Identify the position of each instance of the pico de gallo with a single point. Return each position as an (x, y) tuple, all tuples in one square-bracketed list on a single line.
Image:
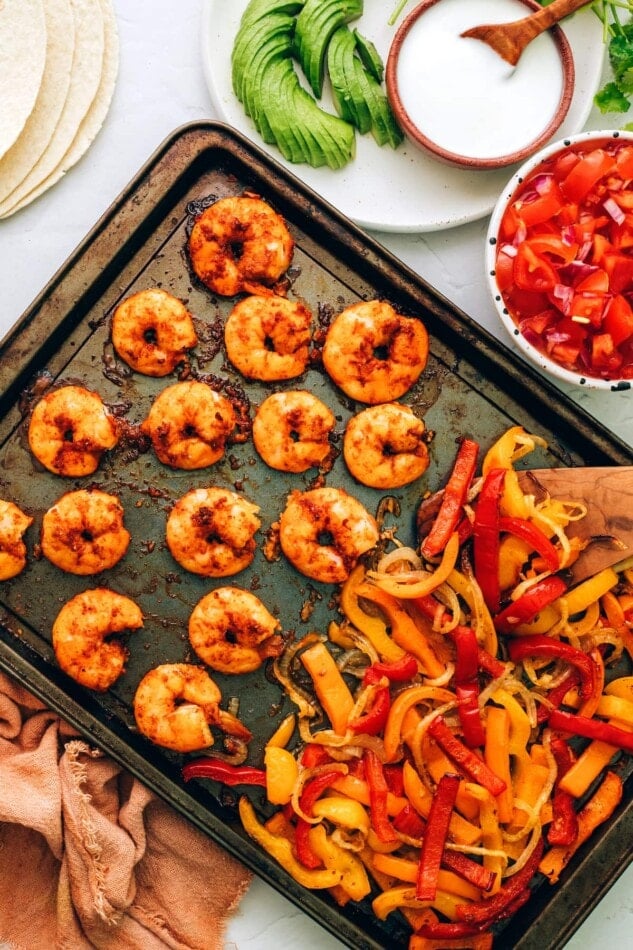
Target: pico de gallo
[(564, 258), (460, 723)]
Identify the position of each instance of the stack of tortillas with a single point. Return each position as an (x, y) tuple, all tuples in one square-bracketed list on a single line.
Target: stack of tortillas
[(58, 65)]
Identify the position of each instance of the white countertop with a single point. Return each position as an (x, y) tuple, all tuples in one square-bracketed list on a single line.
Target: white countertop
[(161, 87)]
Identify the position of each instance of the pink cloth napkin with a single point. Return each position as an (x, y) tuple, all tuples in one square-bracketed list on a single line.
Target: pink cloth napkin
[(89, 857)]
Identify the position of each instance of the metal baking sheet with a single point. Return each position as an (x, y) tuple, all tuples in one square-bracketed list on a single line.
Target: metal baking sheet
[(472, 386)]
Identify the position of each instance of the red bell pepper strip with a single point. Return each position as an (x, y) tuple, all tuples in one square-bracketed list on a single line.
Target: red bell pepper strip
[(467, 685), (466, 654), (314, 754), (469, 870), (490, 909), (373, 721), (474, 767), (398, 671), (563, 828), (305, 854), (441, 930), (394, 778), (532, 534), (453, 499), (528, 605), (311, 793), (408, 822), (557, 695), (490, 664), (540, 645), (486, 537), (435, 835), (591, 729), (220, 771), (378, 791), (469, 715)]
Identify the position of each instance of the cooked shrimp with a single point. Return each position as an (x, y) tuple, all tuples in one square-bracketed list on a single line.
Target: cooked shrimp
[(189, 424), (239, 244), (373, 353), (13, 524), (83, 532), (291, 431), (324, 531), (384, 446), (152, 331), (211, 532), (69, 431), (233, 632), (268, 338), (176, 703), (83, 636)]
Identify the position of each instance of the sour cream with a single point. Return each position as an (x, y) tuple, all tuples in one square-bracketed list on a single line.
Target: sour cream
[(462, 95)]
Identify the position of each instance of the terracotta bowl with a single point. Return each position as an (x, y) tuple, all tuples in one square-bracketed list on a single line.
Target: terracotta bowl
[(458, 100)]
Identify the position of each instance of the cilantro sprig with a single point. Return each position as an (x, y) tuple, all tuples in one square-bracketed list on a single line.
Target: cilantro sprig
[(617, 94)]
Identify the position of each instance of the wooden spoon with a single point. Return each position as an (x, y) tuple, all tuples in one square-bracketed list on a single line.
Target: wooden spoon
[(510, 39), (608, 495)]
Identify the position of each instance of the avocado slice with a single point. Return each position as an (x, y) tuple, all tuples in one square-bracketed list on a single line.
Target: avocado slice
[(349, 103), (315, 26), (369, 56)]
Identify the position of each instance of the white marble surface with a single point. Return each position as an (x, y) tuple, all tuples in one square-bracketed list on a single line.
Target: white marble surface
[(160, 87)]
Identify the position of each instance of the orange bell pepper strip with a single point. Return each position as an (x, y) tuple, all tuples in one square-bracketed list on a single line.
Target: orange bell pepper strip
[(403, 869), (358, 789), (460, 830), (474, 942), (374, 628), (598, 809), (329, 685), (491, 835), (401, 705), (497, 757)]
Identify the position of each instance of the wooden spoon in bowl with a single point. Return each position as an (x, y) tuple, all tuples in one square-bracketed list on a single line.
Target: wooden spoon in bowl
[(510, 39)]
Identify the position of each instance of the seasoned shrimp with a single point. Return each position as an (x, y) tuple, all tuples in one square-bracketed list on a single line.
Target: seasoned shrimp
[(83, 636), (83, 532), (291, 431), (268, 338), (69, 431), (384, 446), (324, 531), (211, 532), (13, 524), (373, 353), (176, 703), (152, 331), (233, 632), (189, 424), (239, 244)]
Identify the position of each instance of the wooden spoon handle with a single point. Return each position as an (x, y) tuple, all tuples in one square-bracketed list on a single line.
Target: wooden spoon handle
[(540, 21)]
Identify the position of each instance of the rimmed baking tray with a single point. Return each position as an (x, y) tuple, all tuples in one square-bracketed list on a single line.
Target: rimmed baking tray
[(472, 386)]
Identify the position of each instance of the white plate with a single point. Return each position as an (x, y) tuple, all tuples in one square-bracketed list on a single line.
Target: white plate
[(402, 190)]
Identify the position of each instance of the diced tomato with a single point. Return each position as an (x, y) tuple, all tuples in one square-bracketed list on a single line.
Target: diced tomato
[(553, 244), (588, 308), (624, 162), (618, 319), (532, 271), (603, 353), (540, 205), (619, 268), (595, 283), (504, 271), (586, 173), (564, 164)]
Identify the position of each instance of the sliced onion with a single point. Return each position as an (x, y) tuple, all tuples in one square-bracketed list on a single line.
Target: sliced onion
[(305, 775), (614, 210), (404, 555)]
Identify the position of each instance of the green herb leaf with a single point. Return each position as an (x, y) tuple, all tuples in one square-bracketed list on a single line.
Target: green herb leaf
[(611, 99)]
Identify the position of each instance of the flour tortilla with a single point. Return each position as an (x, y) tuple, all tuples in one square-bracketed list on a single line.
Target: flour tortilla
[(22, 60), (87, 65), (41, 123)]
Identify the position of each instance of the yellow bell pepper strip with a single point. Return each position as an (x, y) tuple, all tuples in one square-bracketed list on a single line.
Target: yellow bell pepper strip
[(471, 942), (378, 792), (435, 836), (595, 587), (598, 809), (466, 760), (280, 849), (563, 829), (343, 812), (332, 690), (353, 877), (460, 830), (403, 869), (521, 648), (283, 733), (497, 757), (401, 705), (356, 788), (534, 537), (407, 588), (463, 587), (486, 537), (310, 794), (495, 861), (534, 600), (453, 499), (615, 609), (374, 628), (282, 771)]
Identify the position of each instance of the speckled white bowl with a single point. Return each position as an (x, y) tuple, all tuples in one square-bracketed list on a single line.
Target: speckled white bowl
[(534, 355)]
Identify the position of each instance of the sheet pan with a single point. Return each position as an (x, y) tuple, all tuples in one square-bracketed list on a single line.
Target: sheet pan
[(473, 386)]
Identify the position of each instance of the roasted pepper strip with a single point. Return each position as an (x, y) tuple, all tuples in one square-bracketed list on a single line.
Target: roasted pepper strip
[(453, 499), (474, 767), (467, 685), (399, 708), (398, 671), (374, 628), (490, 909), (529, 604), (220, 771), (591, 729), (373, 721), (486, 537), (536, 539), (378, 792), (537, 645), (435, 836), (563, 828), (497, 757), (281, 850), (329, 685), (353, 877)]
